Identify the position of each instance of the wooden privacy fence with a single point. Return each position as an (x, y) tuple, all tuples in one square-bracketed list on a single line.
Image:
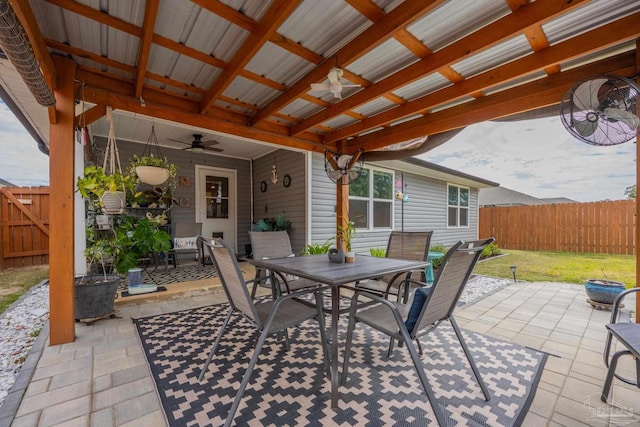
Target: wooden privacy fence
[(24, 226), (598, 227)]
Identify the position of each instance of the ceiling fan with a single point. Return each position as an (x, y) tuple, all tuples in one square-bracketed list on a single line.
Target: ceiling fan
[(334, 85), (198, 145)]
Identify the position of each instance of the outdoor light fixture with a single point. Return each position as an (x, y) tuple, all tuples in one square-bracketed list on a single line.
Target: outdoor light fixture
[(513, 270)]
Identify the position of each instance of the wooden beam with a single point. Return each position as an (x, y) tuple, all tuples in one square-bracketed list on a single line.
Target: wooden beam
[(71, 50), (369, 39), (488, 36), (227, 12), (91, 115), (99, 16), (609, 35), (548, 91), (61, 219), (267, 132), (25, 15), (149, 22), (277, 13), (637, 225)]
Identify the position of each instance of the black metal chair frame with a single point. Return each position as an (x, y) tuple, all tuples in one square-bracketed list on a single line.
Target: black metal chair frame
[(627, 334)]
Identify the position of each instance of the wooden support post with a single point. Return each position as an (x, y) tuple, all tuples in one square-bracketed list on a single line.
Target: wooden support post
[(61, 183), (637, 226), (342, 207)]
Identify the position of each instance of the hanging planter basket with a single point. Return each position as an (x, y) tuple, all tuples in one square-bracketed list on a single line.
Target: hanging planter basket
[(113, 202), (152, 175)]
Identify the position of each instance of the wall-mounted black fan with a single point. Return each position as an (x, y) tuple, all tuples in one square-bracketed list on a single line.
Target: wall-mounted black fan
[(602, 110), (197, 145), (338, 165)]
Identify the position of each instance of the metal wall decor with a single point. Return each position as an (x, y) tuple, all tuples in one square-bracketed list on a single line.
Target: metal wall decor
[(286, 180)]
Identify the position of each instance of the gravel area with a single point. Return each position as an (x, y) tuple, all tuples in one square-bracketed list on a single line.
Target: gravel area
[(21, 323), (19, 328)]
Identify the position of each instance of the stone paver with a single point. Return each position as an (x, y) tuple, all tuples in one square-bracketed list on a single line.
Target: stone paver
[(102, 378)]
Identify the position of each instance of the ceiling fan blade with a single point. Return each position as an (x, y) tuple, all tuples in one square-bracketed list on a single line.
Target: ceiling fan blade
[(177, 140), (209, 143), (585, 96), (624, 116), (319, 86), (585, 128), (351, 85), (214, 149)]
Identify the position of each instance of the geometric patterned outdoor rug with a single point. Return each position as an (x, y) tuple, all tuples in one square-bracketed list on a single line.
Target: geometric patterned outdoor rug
[(289, 388), (182, 273)]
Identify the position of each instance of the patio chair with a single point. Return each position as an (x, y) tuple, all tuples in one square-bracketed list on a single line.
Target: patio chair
[(628, 335), (185, 236), (268, 317), (429, 307), (410, 245), (274, 244)]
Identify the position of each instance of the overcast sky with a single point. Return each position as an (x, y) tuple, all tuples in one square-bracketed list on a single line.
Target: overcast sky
[(541, 159), (21, 162), (535, 157)]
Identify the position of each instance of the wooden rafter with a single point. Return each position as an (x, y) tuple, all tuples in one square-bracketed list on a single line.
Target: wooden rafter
[(150, 13), (606, 36), (484, 38), (91, 115), (398, 18), (548, 91), (277, 13)]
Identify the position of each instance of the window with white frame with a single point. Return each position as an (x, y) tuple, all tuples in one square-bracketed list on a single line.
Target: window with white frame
[(457, 206), (371, 199)]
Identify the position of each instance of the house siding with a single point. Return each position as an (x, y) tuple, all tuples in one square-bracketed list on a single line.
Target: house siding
[(279, 199), (426, 210), (186, 162)]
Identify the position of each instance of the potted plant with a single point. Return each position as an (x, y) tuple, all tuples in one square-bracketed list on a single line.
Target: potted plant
[(153, 170), (105, 192), (281, 223), (346, 234)]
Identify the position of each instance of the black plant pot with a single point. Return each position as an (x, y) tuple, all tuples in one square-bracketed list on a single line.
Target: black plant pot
[(94, 296)]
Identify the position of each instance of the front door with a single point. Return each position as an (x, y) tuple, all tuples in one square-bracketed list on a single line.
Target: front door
[(216, 203)]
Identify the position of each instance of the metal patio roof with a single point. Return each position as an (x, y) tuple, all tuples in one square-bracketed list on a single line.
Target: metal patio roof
[(242, 69)]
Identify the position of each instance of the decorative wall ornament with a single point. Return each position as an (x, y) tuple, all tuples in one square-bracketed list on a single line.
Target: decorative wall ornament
[(274, 174), (185, 181)]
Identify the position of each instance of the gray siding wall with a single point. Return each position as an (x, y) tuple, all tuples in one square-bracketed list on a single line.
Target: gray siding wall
[(279, 199), (186, 162), (425, 210)]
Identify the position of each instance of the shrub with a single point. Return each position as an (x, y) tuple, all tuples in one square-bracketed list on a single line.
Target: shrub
[(317, 248), (437, 247), (378, 252), (491, 250)]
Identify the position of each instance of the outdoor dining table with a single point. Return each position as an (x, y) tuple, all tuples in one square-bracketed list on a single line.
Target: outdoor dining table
[(319, 269)]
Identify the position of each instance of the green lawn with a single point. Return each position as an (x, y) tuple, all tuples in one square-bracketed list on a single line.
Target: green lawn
[(560, 267), (16, 281)]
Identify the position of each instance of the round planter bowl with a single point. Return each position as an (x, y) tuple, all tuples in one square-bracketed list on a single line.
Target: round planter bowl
[(113, 202), (603, 291), (152, 175)]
